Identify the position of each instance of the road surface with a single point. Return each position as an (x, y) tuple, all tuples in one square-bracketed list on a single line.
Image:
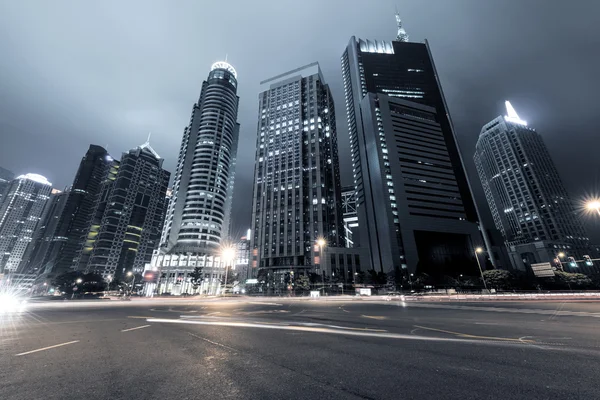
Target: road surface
[(249, 348)]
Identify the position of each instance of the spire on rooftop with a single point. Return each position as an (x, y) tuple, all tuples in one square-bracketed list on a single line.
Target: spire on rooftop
[(402, 35)]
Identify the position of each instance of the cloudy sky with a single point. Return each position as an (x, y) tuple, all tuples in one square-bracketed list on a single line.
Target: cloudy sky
[(109, 72)]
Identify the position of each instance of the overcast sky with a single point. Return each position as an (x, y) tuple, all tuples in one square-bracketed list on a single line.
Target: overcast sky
[(108, 72)]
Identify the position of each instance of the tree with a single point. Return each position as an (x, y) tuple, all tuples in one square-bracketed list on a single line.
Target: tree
[(66, 282), (196, 277), (572, 280), (498, 278), (93, 282), (302, 282)]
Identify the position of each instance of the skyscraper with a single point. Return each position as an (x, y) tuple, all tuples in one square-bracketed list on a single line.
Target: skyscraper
[(415, 207), (128, 216), (297, 181), (5, 177), (198, 217), (20, 213), (528, 201), (69, 217)]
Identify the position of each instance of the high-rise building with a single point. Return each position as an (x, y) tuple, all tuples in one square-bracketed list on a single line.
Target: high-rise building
[(20, 213), (198, 217), (5, 177), (415, 207), (128, 216), (69, 216), (297, 180), (529, 203)]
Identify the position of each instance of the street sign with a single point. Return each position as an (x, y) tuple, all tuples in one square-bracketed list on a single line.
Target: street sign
[(542, 270)]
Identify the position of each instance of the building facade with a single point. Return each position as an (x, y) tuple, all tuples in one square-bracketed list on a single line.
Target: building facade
[(128, 216), (296, 179), (20, 213), (5, 177), (198, 218), (529, 203), (69, 217), (415, 208)]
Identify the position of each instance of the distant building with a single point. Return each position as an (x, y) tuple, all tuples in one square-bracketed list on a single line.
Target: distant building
[(297, 181), (129, 215), (242, 256), (415, 208), (69, 216), (198, 217), (5, 177), (20, 213), (527, 199)]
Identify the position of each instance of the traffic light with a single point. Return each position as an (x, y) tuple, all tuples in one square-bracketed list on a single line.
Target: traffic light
[(588, 261), (572, 262)]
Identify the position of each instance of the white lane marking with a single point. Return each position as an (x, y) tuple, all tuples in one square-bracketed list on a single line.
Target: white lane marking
[(212, 313), (47, 348), (133, 329), (264, 303), (215, 343)]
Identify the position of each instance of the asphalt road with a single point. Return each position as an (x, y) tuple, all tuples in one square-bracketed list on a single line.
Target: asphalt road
[(290, 349)]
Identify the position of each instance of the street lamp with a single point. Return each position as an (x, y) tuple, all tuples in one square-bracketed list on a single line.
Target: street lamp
[(79, 280), (228, 255), (321, 243), (477, 251), (593, 205), (561, 255), (129, 273)]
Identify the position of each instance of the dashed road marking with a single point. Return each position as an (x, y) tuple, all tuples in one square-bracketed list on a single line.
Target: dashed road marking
[(137, 327), (47, 348)]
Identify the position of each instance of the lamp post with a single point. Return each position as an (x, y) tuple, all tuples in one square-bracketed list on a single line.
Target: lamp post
[(477, 251), (129, 273), (321, 243)]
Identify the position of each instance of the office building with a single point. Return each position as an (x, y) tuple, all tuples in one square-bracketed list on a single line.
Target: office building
[(198, 217), (69, 217), (528, 201), (297, 182), (5, 177), (415, 208), (128, 216), (20, 213)]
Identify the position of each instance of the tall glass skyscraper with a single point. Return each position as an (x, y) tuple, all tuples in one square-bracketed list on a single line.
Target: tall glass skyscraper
[(20, 213), (415, 207), (297, 181), (527, 199), (198, 217)]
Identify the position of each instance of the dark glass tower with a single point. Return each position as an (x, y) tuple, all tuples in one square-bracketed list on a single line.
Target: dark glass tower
[(297, 182), (69, 216), (415, 207), (129, 215)]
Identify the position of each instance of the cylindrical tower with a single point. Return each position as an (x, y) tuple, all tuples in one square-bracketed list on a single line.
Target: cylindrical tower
[(197, 219)]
